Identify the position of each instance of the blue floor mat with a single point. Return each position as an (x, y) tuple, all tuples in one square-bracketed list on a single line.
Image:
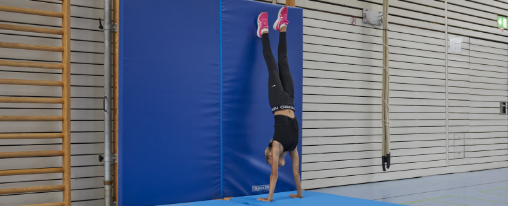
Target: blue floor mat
[(283, 199), (207, 203)]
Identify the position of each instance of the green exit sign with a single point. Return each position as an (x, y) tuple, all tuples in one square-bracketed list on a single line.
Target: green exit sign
[(502, 22)]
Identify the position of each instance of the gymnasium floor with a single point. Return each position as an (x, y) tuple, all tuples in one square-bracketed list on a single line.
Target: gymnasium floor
[(482, 188)]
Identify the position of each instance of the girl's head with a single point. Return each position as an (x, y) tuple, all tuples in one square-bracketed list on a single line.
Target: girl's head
[(268, 153), (268, 156)]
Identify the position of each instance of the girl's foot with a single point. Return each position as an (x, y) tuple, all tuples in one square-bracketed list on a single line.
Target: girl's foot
[(282, 19), (262, 24)]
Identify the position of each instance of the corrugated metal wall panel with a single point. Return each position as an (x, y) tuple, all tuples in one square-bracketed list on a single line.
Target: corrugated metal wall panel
[(342, 90)]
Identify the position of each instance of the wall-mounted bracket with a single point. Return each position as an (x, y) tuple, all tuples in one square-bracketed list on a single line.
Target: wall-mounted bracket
[(113, 158), (113, 26), (374, 18)]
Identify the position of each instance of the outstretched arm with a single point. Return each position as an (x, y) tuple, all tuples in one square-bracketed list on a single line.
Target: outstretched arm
[(275, 168), (296, 173)]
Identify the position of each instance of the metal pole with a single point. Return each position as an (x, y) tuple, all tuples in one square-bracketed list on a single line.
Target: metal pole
[(446, 80), (107, 103), (274, 1), (386, 156)]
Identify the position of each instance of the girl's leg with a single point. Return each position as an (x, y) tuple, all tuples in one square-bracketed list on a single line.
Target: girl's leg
[(285, 74), (275, 89)]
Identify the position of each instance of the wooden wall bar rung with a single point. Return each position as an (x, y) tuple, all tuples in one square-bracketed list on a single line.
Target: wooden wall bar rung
[(31, 136), (48, 153), (48, 204), (31, 11), (31, 29), (31, 189), (31, 47), (31, 118), (30, 171), (31, 100), (31, 64), (31, 82)]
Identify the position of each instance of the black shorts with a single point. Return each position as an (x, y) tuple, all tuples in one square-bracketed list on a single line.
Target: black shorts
[(287, 132)]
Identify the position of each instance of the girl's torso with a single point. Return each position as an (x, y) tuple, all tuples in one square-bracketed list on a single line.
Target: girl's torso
[(285, 112), (286, 131)]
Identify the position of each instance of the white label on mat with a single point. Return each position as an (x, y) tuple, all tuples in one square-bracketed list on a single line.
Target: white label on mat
[(260, 188)]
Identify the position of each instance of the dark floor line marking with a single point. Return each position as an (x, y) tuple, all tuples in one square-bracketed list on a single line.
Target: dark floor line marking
[(440, 190)]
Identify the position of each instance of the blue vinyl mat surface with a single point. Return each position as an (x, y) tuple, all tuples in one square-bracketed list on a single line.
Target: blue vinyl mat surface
[(283, 199), (203, 88)]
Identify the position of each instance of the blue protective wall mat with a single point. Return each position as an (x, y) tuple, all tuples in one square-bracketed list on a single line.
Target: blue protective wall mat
[(169, 101), (283, 199), (193, 109), (248, 121)]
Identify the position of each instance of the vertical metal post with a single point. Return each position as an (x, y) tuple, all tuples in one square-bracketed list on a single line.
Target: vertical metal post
[(446, 81), (107, 103), (386, 91)]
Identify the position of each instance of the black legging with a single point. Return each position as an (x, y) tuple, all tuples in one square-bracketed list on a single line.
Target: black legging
[(280, 82)]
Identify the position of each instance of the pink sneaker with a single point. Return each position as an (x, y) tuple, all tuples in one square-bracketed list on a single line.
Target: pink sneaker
[(282, 19), (262, 23)]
